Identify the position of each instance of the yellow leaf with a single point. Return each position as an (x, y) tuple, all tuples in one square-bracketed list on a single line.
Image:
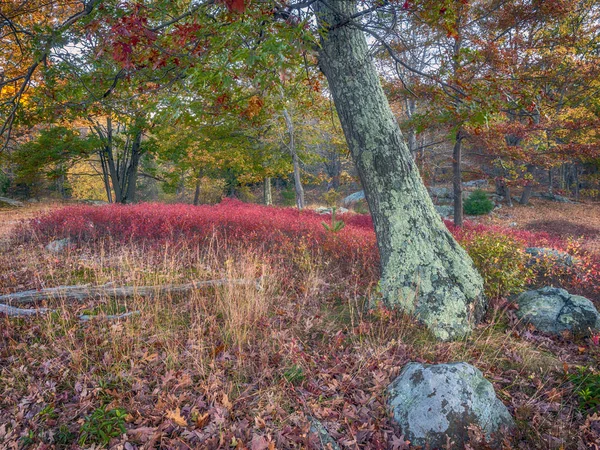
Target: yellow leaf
[(226, 403), (176, 417)]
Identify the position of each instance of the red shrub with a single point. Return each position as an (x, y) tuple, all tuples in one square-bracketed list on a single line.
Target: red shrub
[(284, 232)]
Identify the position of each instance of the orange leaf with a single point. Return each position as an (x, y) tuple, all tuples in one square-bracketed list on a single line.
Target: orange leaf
[(176, 417), (202, 420)]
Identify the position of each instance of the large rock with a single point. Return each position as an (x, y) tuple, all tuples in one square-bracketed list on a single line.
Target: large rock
[(541, 253), (477, 184), (354, 198), (431, 403), (439, 193), (445, 210), (553, 310)]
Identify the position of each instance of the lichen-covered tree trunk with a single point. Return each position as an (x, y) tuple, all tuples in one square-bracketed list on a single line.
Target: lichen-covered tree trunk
[(424, 270)]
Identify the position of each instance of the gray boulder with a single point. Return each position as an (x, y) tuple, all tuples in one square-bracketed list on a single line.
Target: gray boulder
[(354, 198), (552, 197), (431, 403), (445, 210), (438, 193), (323, 210), (476, 184), (540, 253), (553, 310), (59, 245)]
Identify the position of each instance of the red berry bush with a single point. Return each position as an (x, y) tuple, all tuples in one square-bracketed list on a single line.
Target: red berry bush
[(292, 236)]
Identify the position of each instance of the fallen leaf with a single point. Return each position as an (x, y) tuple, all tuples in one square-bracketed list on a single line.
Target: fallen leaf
[(226, 403), (176, 417), (202, 420)]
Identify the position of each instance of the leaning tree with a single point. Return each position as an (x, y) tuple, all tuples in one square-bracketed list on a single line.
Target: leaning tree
[(424, 270)]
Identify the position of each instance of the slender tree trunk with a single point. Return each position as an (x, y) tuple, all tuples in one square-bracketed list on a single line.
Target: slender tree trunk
[(132, 168), (576, 179), (112, 167), (197, 191), (295, 161), (424, 270), (267, 193), (105, 175), (457, 179), (526, 195), (550, 180)]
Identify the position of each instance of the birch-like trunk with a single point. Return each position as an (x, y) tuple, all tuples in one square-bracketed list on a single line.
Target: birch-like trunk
[(267, 192), (424, 270), (457, 179)]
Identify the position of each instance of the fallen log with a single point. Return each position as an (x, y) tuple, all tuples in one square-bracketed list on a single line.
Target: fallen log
[(11, 311), (85, 292), (11, 202), (18, 312), (88, 317)]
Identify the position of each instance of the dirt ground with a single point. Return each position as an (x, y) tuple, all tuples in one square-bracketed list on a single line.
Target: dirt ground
[(576, 220)]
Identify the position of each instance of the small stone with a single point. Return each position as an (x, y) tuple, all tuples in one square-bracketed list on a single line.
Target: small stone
[(476, 184), (59, 245), (432, 403), (325, 439), (553, 310)]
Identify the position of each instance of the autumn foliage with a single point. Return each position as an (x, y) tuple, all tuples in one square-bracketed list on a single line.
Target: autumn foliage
[(293, 239)]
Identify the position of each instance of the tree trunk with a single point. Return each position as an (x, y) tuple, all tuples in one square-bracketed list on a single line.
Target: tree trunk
[(267, 193), (457, 179), (526, 195), (576, 179), (197, 191), (112, 167), (295, 161), (424, 270), (132, 169)]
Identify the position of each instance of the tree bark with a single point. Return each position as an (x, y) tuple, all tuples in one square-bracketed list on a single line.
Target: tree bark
[(424, 270), (295, 161), (267, 193), (457, 179), (132, 168), (526, 195), (197, 192)]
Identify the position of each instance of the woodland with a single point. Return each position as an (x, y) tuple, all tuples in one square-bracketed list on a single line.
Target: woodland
[(299, 224)]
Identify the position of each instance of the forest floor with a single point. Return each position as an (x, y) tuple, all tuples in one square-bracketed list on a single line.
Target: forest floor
[(240, 367), (576, 220)]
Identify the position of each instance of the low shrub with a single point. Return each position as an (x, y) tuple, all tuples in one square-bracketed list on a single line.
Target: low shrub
[(501, 261), (478, 203), (295, 238), (278, 233), (103, 425), (587, 388)]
